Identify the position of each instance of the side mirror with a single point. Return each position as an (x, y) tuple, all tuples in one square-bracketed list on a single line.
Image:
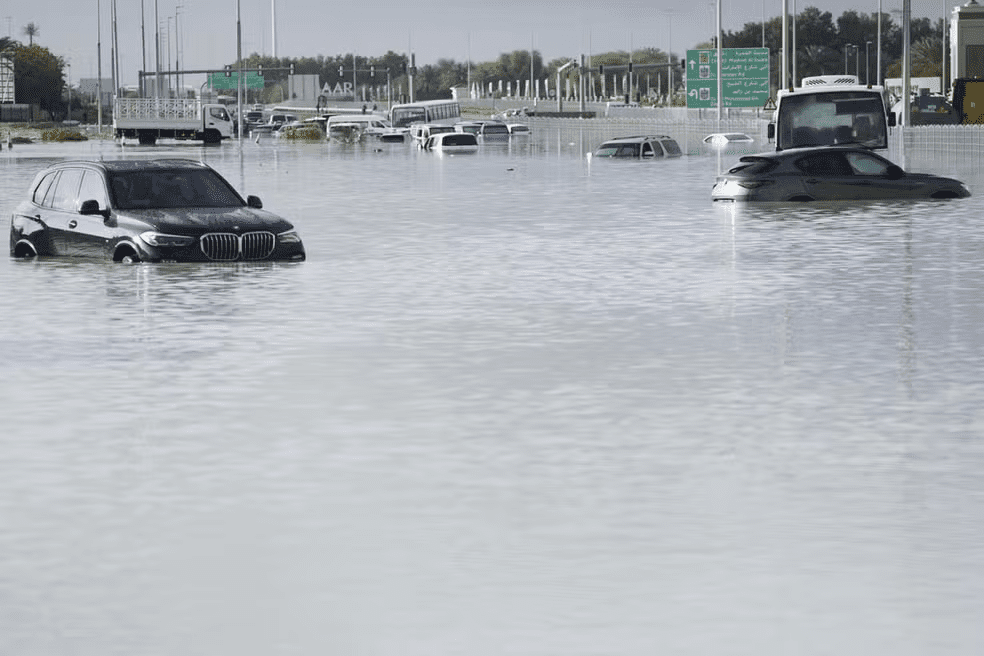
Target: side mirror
[(254, 202), (891, 119), (894, 172), (771, 131), (91, 207)]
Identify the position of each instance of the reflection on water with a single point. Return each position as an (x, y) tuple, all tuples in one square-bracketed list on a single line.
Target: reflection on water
[(517, 402)]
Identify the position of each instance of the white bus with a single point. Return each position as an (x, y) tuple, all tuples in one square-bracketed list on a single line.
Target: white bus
[(831, 109), (427, 111)]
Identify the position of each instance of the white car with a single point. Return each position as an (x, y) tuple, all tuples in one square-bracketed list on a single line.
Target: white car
[(452, 142), (727, 138)]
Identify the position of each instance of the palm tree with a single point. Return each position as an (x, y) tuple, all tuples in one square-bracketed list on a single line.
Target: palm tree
[(32, 29), (926, 58)]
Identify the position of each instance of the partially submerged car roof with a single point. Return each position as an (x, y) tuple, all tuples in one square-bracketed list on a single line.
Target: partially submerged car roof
[(639, 137), (121, 165)]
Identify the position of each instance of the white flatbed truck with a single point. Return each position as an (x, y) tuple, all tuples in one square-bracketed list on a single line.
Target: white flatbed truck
[(150, 119)]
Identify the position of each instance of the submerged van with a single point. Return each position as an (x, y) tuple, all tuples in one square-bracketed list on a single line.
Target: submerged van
[(350, 127)]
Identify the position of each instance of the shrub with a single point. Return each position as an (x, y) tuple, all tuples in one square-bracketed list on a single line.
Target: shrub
[(302, 133), (61, 134)]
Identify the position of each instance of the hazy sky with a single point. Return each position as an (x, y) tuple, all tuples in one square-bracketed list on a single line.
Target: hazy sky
[(479, 30)]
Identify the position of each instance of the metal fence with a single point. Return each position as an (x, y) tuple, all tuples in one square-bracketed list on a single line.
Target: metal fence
[(943, 147), (689, 132), (926, 147), (19, 113)]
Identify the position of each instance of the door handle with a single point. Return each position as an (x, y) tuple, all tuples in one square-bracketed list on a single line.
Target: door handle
[(72, 223)]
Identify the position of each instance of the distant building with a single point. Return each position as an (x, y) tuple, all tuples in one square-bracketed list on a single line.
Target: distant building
[(967, 37), (303, 90), (6, 79), (89, 88)]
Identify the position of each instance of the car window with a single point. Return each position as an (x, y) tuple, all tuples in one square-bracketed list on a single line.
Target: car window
[(175, 188), (93, 189), (864, 164), (826, 163), (671, 147), (43, 188), (67, 190), (49, 196)]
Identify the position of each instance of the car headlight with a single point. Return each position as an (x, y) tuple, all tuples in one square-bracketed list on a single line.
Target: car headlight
[(160, 240), (754, 184), (289, 237)]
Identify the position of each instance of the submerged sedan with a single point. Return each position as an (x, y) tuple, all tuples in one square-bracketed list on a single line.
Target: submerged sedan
[(146, 211), (828, 173)]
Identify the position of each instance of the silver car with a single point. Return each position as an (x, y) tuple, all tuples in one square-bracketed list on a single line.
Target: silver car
[(828, 173)]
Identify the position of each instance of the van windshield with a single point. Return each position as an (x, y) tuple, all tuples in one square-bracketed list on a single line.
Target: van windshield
[(825, 119)]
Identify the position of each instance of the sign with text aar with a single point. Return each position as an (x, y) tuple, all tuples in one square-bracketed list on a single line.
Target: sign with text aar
[(744, 77)]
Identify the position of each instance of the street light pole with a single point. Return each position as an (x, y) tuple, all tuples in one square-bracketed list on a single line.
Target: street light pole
[(867, 63), (157, 52), (878, 69), (239, 75), (99, 74), (857, 62)]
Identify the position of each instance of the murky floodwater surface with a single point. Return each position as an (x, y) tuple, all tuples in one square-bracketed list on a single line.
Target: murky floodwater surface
[(513, 403)]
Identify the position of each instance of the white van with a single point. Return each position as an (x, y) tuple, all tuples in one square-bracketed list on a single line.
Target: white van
[(344, 125)]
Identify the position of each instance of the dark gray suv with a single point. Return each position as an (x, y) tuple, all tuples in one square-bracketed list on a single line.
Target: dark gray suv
[(146, 211)]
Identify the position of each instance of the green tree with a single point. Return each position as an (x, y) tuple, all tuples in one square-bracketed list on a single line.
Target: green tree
[(926, 59), (38, 77)]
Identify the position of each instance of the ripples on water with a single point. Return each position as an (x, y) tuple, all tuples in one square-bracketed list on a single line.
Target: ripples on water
[(514, 403)]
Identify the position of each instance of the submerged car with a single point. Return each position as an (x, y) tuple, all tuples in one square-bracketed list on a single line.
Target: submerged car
[(146, 211), (655, 146), (452, 142), (727, 138), (828, 173)]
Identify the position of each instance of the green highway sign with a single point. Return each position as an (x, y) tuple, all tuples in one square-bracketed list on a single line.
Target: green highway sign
[(251, 80), (744, 77)]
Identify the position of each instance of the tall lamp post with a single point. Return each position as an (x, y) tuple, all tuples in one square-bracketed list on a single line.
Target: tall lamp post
[(69, 67), (867, 62), (857, 62), (99, 74)]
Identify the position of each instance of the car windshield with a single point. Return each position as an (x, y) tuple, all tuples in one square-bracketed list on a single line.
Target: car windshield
[(618, 150), (753, 165), (133, 190)]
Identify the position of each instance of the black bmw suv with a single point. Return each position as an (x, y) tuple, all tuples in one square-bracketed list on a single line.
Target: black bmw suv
[(146, 211)]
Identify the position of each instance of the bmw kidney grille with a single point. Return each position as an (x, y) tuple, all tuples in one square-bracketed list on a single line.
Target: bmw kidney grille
[(228, 247)]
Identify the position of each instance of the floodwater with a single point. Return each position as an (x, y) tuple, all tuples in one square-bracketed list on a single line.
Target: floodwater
[(514, 403)]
